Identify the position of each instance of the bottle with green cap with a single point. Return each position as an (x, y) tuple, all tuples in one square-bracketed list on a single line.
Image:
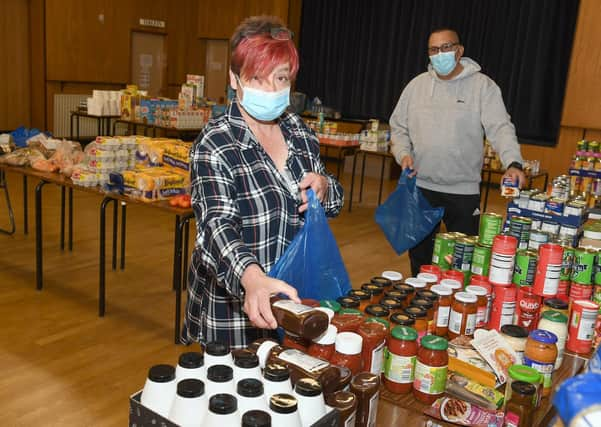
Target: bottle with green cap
[(332, 305), (526, 374), (431, 369), (352, 311), (399, 360), (556, 322)]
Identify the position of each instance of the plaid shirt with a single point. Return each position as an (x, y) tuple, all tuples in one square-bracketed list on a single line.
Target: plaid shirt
[(246, 213)]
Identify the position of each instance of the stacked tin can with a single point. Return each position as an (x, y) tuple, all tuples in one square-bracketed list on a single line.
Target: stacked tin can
[(585, 173)]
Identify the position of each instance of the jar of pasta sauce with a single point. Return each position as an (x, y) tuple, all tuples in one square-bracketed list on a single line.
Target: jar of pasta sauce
[(374, 340), (462, 320), (481, 304), (440, 324), (431, 369), (540, 354), (399, 362)]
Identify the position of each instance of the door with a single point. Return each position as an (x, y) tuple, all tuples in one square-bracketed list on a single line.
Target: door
[(149, 62)]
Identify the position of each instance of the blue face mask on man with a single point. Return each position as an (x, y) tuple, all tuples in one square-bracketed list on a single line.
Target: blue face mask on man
[(264, 105), (443, 62)]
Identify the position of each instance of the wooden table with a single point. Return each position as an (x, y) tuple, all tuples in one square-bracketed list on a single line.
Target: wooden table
[(363, 153), (343, 150), (181, 232), (104, 123), (406, 411), (132, 128)]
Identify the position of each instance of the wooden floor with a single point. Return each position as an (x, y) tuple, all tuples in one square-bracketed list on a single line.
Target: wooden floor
[(62, 364)]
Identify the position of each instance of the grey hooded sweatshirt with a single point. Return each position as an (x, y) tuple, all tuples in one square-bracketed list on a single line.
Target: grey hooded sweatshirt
[(442, 124)]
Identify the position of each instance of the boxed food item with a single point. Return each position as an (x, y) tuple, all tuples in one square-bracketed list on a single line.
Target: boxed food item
[(465, 360)]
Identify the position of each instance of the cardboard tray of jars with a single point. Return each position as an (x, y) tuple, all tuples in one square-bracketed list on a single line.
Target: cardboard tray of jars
[(141, 416)]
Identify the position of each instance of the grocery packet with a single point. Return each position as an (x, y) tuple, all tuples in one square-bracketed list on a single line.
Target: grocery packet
[(463, 413)]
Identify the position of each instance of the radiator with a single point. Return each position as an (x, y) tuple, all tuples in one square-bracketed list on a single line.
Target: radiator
[(63, 105)]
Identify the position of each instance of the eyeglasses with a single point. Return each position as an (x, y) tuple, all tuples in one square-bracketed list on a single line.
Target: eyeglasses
[(447, 47), (281, 33)]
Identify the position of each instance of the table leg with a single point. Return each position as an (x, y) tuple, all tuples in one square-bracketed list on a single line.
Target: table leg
[(38, 236), (381, 180), (185, 255), (70, 219), (25, 201), (181, 228), (115, 227), (62, 233), (546, 181), (350, 202), (102, 257), (177, 254), (123, 216), (114, 127), (77, 127), (362, 178), (71, 126), (99, 120), (11, 215)]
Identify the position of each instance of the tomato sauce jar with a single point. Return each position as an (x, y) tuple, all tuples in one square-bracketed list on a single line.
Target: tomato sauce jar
[(462, 320), (400, 358), (431, 369)]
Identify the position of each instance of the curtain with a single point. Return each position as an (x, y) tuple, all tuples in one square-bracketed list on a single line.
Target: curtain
[(357, 55)]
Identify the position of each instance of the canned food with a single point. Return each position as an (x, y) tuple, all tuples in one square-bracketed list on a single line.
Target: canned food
[(491, 224), (550, 227), (481, 260), (582, 267), (444, 246), (566, 263), (537, 238), (593, 146), (597, 269), (554, 206), (586, 184), (581, 326), (536, 224), (568, 231), (527, 308), (509, 187), (463, 253), (503, 306), (537, 202), (525, 267), (502, 259), (582, 145), (578, 291), (519, 227), (563, 290), (546, 279)]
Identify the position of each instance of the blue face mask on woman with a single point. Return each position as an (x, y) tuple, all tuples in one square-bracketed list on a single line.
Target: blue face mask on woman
[(264, 105), (443, 62)]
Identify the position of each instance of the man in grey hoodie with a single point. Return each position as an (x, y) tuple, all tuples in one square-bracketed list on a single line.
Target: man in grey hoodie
[(438, 128)]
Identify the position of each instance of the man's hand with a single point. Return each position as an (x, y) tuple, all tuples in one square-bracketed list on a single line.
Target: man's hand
[(259, 288), (407, 163), (318, 183), (516, 175)]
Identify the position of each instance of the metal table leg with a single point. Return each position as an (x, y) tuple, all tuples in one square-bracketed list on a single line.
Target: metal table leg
[(381, 180), (177, 253), (123, 216), (11, 215), (102, 256), (350, 202), (25, 201), (185, 255), (62, 233), (115, 226), (181, 225), (70, 219), (38, 236), (362, 178)]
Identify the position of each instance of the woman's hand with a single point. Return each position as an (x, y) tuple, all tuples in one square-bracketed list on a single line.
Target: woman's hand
[(319, 185), (259, 288)]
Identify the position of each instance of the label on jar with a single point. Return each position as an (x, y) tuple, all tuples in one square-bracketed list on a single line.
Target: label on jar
[(455, 321), (470, 324), (430, 379), (350, 421), (373, 410), (545, 369), (304, 361), (399, 369), (442, 319), (481, 316), (377, 357), (292, 307)]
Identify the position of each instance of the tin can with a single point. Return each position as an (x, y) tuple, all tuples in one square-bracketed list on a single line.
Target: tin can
[(525, 268), (597, 269), (551, 227), (554, 206), (503, 306), (481, 260), (527, 308), (596, 297), (582, 267), (546, 279), (586, 183), (536, 224), (453, 274), (502, 259), (432, 269), (444, 246), (463, 253), (491, 224), (574, 208), (578, 291), (593, 146), (537, 238), (566, 263), (563, 290), (582, 145), (509, 187), (519, 227), (581, 326), (537, 202)]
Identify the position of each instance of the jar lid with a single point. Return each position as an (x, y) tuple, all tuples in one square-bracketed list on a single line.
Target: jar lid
[(451, 283), (476, 290), (276, 372), (428, 277), (256, 418), (555, 316), (523, 387), (343, 400), (365, 381), (307, 387), (466, 297), (416, 312), (372, 289), (441, 290), (328, 337), (392, 275), (421, 302), (380, 320), (247, 361), (327, 311), (249, 387), (349, 343), (191, 388), (348, 302), (362, 295), (332, 305), (396, 294), (543, 336), (417, 283), (191, 360), (433, 342), (427, 294), (556, 303), (390, 303), (404, 287), (223, 404), (404, 333), (382, 281), (377, 310), (161, 373), (220, 373), (215, 348), (402, 319), (524, 373), (514, 331), (350, 311), (283, 403)]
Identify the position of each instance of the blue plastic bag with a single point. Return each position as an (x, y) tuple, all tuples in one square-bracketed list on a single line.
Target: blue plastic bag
[(406, 217), (577, 398), (312, 262)]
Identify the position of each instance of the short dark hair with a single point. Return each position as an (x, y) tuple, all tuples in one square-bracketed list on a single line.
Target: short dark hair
[(254, 25), (441, 29)]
